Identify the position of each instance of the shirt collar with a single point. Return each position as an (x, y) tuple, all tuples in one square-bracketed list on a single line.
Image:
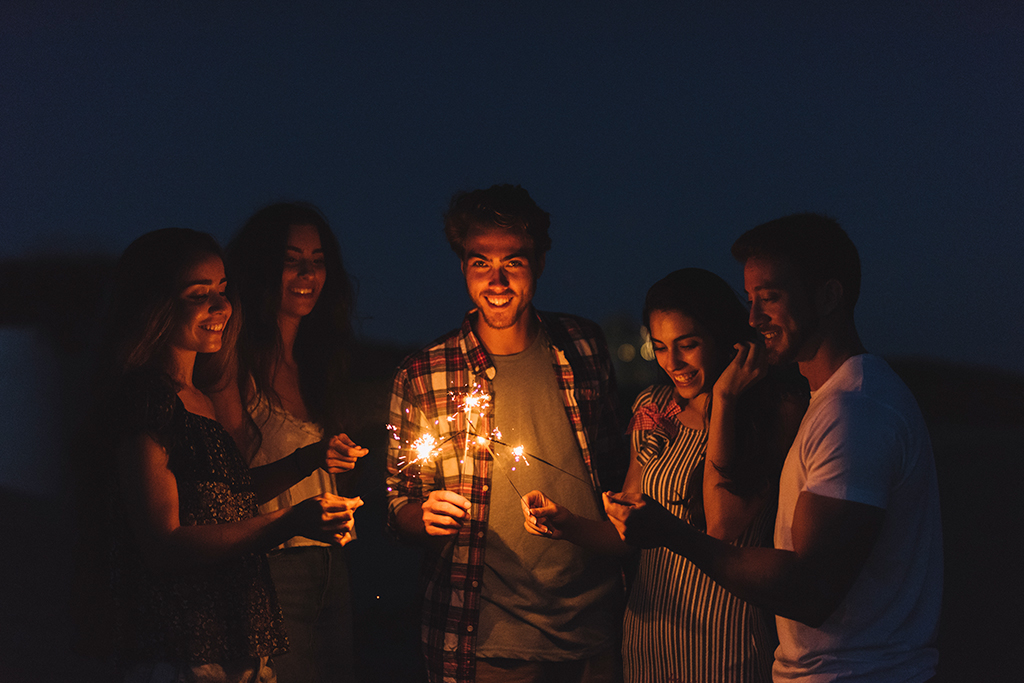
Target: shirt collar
[(477, 356)]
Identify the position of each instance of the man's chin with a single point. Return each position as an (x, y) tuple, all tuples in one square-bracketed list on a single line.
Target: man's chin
[(503, 319), (502, 322), (781, 355)]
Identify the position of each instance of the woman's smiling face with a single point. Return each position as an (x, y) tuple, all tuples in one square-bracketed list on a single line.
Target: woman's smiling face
[(685, 351), (304, 272), (203, 307)]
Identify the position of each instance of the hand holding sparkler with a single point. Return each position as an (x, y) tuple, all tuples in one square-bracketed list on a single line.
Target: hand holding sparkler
[(342, 454), (326, 518), (444, 512), (336, 455), (545, 517), (640, 520)]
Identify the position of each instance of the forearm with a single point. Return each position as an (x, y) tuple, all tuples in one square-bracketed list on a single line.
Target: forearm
[(273, 479), (776, 580), (599, 536), (409, 522), (412, 528), (185, 547), (728, 515)]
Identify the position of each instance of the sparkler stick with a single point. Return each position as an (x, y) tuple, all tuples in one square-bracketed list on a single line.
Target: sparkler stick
[(427, 447), (500, 466), (474, 401), (519, 453)]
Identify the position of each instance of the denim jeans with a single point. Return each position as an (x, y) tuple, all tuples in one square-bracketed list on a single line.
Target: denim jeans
[(254, 670), (313, 589)]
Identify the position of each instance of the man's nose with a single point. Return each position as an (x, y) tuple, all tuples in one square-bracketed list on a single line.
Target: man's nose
[(499, 277), (756, 314)]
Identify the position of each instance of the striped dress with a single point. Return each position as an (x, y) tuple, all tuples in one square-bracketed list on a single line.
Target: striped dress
[(680, 626)]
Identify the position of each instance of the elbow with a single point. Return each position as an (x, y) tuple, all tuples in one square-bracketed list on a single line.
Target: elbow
[(811, 606), (160, 562), (727, 526), (166, 555), (813, 615), (724, 531)]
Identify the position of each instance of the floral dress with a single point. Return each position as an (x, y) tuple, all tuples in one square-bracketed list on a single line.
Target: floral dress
[(214, 613)]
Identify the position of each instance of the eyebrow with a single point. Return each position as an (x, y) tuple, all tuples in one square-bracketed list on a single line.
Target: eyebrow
[(296, 249), (766, 285), (771, 284), (208, 283), (521, 254), (675, 339)]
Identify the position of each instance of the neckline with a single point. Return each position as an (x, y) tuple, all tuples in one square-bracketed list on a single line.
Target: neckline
[(197, 415)]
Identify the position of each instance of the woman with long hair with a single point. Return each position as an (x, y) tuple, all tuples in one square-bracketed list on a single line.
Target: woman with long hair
[(288, 391), (192, 593), (709, 446)]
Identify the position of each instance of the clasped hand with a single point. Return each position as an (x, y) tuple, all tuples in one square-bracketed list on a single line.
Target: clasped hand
[(327, 518), (640, 520)]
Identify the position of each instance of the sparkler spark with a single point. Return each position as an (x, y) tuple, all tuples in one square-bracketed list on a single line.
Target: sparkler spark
[(473, 405), (425, 447)]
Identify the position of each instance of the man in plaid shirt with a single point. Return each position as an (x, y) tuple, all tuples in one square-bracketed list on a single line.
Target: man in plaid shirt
[(501, 604)]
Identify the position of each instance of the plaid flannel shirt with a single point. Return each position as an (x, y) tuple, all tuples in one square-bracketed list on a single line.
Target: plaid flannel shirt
[(427, 398)]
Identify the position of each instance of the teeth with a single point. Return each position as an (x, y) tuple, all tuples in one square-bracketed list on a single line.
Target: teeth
[(302, 292), (214, 328), (498, 301)]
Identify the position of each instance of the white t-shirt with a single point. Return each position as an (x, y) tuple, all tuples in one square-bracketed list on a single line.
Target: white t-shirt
[(863, 439)]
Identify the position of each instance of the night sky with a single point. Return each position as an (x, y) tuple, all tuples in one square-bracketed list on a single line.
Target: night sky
[(653, 133)]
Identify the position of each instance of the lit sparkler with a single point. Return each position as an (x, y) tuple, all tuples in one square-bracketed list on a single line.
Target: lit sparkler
[(428, 448)]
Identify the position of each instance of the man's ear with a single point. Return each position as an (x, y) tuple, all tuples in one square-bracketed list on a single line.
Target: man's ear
[(829, 297)]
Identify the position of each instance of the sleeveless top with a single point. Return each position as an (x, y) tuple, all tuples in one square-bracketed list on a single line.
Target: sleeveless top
[(281, 434), (680, 626), (212, 613)]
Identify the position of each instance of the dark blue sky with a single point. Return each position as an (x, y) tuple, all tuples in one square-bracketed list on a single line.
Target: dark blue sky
[(654, 134)]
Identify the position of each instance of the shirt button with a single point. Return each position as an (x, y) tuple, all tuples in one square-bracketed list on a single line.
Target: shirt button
[(476, 584), (479, 534), (485, 487), (469, 629)]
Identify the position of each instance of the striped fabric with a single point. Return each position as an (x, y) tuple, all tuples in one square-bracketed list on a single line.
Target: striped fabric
[(680, 626)]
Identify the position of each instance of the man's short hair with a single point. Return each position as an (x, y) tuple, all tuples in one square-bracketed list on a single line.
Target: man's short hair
[(815, 245), (508, 207)]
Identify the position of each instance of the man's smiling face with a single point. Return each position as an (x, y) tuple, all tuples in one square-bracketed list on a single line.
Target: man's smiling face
[(501, 276), (780, 309)]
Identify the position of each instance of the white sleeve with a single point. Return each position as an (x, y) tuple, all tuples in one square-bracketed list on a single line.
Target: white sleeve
[(854, 451)]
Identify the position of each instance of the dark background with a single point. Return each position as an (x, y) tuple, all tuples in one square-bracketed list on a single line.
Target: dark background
[(654, 134)]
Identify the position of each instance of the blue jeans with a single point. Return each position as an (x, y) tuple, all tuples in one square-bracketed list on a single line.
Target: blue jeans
[(313, 589), (250, 670)]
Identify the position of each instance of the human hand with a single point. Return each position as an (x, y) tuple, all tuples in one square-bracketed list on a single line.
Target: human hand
[(342, 454), (327, 518), (444, 512), (748, 366), (545, 517), (640, 520)]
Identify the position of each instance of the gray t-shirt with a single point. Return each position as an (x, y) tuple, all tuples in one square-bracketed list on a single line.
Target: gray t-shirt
[(541, 599)]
